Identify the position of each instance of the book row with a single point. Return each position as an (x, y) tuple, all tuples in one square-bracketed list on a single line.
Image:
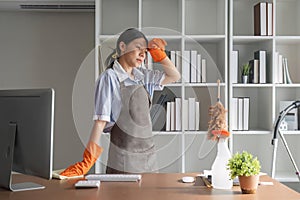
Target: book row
[(263, 19), (190, 63), (257, 67), (281, 69), (191, 114), (240, 113)]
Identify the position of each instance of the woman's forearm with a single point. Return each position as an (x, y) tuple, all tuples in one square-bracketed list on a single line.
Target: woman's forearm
[(171, 73), (97, 130)]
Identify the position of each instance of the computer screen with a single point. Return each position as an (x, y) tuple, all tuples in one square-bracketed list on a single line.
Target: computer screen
[(26, 132)]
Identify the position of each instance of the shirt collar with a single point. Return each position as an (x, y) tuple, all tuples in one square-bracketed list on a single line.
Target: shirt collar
[(122, 74)]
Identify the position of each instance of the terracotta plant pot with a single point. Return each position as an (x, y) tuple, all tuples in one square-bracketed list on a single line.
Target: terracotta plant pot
[(249, 184)]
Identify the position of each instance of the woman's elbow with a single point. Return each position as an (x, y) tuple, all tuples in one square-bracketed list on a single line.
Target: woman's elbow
[(171, 79), (178, 76)]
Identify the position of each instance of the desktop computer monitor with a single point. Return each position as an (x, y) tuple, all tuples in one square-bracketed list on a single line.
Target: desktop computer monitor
[(26, 135)]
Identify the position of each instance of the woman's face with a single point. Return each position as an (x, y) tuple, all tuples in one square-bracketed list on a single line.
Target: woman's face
[(134, 53)]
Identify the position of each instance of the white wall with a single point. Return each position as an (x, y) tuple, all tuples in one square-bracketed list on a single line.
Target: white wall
[(46, 49)]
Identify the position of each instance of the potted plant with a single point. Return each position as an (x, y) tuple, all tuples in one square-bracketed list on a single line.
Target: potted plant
[(245, 72), (247, 168)]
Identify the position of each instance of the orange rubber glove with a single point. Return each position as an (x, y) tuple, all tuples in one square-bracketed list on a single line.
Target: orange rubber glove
[(156, 48), (90, 155)]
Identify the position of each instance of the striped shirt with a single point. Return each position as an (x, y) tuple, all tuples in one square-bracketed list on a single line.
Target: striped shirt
[(108, 96)]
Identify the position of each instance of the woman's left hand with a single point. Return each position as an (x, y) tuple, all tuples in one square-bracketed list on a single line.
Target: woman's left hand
[(157, 49)]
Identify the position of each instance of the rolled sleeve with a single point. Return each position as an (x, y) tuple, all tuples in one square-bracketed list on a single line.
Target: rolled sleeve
[(103, 98)]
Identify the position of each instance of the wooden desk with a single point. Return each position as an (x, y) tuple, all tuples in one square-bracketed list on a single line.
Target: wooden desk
[(152, 186)]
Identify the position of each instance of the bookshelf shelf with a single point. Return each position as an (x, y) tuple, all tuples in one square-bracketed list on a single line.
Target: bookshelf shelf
[(169, 37), (249, 85), (206, 38), (166, 133), (294, 85), (203, 84), (291, 132), (195, 132), (174, 85), (250, 39), (253, 132), (186, 25), (265, 98)]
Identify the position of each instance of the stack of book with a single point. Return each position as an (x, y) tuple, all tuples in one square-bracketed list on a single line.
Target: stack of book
[(281, 72), (191, 109), (189, 63), (263, 19), (240, 107), (258, 65), (193, 67)]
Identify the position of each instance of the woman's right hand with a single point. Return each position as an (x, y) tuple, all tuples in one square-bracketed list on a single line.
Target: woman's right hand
[(90, 156)]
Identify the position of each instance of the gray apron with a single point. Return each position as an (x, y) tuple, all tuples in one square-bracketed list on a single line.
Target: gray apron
[(131, 147)]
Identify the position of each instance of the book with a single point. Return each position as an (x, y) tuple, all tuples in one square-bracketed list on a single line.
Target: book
[(260, 19), (185, 110), (235, 66), (203, 70), (199, 80), (246, 108), (275, 76), (149, 61), (173, 57), (270, 20), (179, 63), (193, 66), (261, 57), (192, 114), (254, 71), (173, 115), (168, 117), (178, 114), (240, 113), (286, 77), (197, 117), (234, 113), (186, 66), (280, 68)]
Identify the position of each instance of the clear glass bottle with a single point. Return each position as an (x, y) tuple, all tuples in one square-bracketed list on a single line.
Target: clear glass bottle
[(220, 173)]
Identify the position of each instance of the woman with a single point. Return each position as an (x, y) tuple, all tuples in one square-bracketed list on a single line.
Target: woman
[(122, 105)]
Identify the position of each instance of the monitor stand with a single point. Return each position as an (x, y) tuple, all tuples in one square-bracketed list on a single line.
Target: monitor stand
[(7, 143)]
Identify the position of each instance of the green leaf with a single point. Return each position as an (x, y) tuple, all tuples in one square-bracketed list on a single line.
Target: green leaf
[(243, 164)]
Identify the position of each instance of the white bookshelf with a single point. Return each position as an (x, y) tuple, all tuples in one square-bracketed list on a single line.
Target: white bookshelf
[(265, 98), (185, 25)]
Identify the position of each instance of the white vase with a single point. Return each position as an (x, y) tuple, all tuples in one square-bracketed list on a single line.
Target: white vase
[(220, 173)]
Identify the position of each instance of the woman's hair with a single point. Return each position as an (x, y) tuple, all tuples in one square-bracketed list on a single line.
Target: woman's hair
[(127, 36)]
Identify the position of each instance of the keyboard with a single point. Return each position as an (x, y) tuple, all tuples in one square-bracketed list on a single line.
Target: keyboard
[(88, 184), (115, 177)]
